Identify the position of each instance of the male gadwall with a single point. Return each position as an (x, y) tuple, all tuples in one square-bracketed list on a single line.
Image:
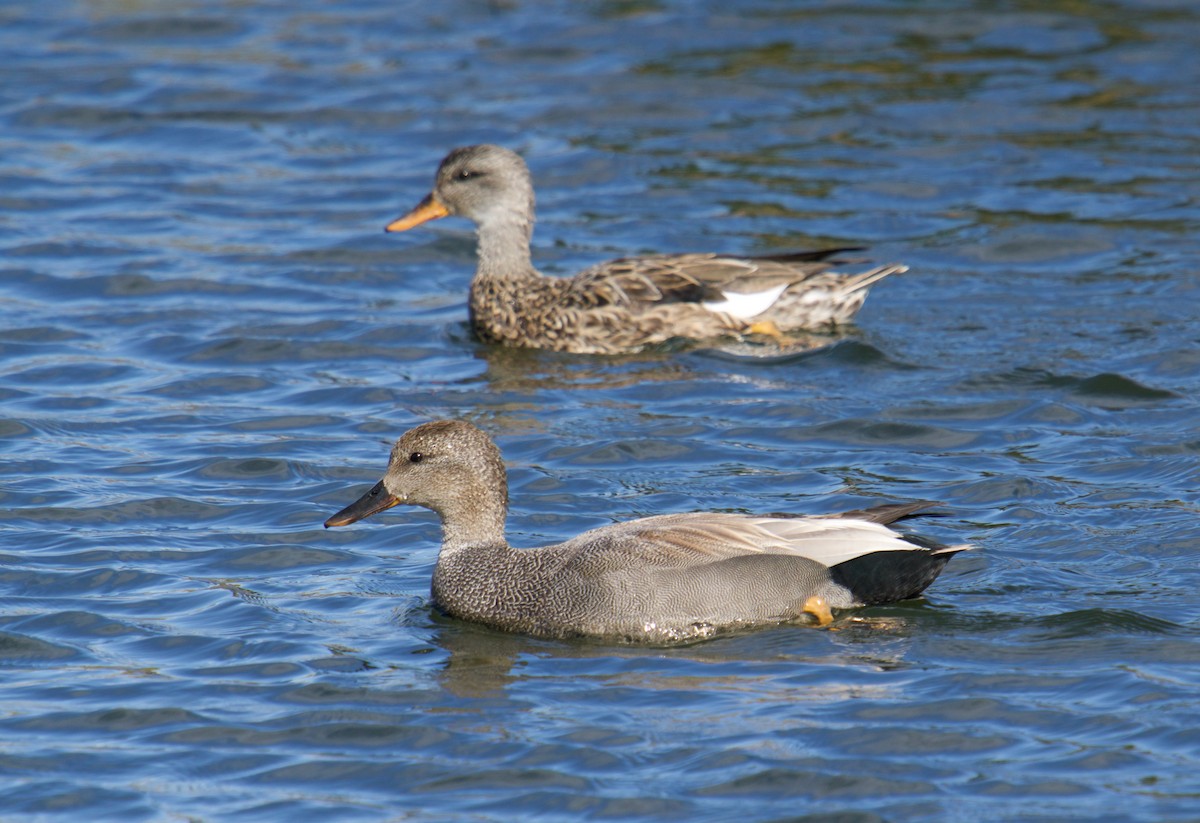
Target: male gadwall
[(627, 304), (674, 577)]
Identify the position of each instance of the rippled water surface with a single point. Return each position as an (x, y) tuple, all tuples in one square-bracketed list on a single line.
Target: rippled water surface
[(207, 345)]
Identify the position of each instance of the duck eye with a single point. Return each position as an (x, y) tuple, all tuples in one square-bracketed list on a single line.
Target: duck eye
[(416, 457), (467, 174)]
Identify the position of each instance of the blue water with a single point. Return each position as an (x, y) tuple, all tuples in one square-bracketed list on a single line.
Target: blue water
[(207, 345)]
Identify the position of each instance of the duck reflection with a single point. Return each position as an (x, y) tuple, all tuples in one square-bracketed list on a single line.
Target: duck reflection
[(514, 369), (485, 663)]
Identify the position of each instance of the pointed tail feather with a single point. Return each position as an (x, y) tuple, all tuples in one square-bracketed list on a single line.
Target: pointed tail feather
[(857, 282)]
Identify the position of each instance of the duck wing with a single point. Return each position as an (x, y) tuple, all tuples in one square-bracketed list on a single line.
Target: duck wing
[(694, 278), (703, 538)]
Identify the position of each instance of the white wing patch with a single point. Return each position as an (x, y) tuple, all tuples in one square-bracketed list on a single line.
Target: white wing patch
[(834, 541), (745, 305)]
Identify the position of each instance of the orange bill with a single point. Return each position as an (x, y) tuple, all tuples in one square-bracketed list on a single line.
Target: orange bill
[(376, 500), (428, 209)]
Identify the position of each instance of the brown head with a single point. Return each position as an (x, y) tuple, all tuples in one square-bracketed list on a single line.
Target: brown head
[(486, 184), (448, 466)]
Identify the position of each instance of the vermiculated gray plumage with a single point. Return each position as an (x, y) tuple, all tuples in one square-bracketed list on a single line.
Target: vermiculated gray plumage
[(659, 579)]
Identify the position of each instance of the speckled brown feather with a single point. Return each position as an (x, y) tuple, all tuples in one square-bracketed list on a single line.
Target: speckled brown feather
[(626, 304)]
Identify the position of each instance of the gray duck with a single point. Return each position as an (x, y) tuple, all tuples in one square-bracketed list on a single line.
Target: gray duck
[(663, 579), (628, 304)]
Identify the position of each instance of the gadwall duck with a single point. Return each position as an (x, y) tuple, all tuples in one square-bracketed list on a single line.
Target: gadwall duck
[(671, 578), (628, 304)]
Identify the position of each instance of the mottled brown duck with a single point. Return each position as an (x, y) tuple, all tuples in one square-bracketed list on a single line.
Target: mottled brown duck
[(628, 304), (664, 579)]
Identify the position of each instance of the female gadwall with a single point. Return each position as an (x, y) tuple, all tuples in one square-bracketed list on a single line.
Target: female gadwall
[(628, 304), (656, 580)]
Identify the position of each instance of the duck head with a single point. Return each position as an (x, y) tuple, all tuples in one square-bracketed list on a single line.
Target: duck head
[(486, 184), (449, 466)]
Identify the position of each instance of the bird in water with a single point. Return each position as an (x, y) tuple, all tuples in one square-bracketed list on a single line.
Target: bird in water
[(632, 303), (658, 580)]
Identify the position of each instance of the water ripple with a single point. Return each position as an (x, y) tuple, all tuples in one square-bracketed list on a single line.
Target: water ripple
[(209, 346)]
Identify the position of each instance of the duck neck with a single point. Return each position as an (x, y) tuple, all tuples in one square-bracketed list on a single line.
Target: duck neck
[(477, 523), (504, 247), (475, 566)]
